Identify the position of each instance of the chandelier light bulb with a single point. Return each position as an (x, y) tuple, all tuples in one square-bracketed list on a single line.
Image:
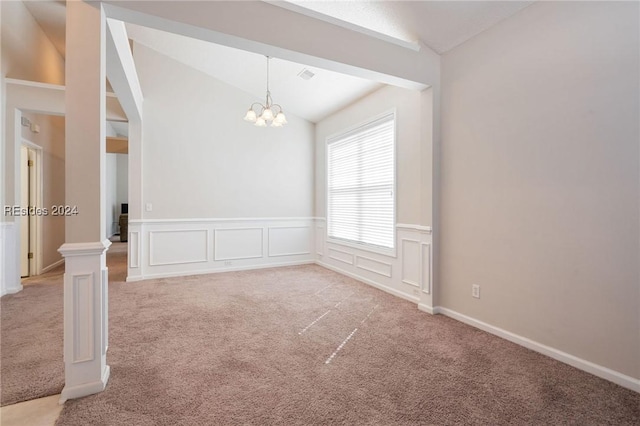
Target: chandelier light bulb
[(251, 116), (280, 118), (260, 122), (267, 114)]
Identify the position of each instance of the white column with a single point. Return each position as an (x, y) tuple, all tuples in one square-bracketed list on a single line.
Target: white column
[(86, 275), (85, 319)]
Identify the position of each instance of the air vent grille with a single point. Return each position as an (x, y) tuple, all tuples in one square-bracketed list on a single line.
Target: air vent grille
[(306, 74)]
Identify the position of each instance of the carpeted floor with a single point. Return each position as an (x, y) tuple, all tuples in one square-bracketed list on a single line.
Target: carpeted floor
[(31, 364), (31, 333), (304, 345)]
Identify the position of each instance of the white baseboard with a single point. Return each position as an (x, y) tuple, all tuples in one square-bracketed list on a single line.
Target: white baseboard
[(579, 363), (53, 266), (217, 270), (12, 290), (428, 309), (370, 282)]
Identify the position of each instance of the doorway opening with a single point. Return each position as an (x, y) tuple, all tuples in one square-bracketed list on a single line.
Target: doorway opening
[(40, 171), (31, 209)]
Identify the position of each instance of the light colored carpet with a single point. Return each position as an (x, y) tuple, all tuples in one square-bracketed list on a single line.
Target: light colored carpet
[(31, 363), (31, 333), (252, 348)]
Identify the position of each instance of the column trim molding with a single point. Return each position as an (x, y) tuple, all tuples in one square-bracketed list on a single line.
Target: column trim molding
[(84, 249)]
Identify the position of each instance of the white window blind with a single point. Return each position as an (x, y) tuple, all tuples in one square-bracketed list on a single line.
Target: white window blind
[(361, 181)]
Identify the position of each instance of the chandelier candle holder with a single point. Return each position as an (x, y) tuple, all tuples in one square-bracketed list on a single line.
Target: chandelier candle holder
[(269, 113)]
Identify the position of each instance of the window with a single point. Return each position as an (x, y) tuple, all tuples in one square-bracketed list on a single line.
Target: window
[(361, 182)]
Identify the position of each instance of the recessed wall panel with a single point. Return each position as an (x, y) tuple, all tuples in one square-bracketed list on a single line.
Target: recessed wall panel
[(238, 243), (341, 256), (411, 262), (83, 318), (373, 265), (289, 240), (178, 246)]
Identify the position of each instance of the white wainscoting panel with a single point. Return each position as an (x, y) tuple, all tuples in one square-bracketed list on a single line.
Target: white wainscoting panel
[(320, 236), (238, 243), (375, 266), (340, 255), (4, 257), (404, 271), (134, 249), (410, 253), (425, 270), (9, 267), (177, 247), (171, 247), (289, 240)]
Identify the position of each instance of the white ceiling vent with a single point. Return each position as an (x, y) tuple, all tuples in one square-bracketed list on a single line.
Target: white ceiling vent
[(305, 74)]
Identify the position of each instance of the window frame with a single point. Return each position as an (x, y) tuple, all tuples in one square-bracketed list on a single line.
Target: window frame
[(391, 252)]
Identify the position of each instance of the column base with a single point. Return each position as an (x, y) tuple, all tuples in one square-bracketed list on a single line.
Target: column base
[(86, 389)]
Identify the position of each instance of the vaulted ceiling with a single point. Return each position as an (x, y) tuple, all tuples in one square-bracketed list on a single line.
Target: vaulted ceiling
[(439, 25), (312, 99)]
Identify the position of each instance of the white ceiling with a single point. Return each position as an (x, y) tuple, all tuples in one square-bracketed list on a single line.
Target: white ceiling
[(312, 99), (440, 25)]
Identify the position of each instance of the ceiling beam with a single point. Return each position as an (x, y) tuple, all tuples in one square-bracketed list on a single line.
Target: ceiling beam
[(266, 29), (298, 8), (121, 70)]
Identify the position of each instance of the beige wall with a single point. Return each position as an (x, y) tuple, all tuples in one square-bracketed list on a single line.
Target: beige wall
[(540, 179), (27, 53), (51, 139), (202, 160), (413, 199)]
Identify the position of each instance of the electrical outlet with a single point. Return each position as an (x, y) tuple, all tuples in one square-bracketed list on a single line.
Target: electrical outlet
[(475, 291), (228, 263), (149, 207)]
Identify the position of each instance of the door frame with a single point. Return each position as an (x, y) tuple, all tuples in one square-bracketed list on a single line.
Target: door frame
[(35, 221)]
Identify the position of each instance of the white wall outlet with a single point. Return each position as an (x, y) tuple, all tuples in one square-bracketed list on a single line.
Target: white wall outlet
[(475, 291), (149, 207), (228, 263)]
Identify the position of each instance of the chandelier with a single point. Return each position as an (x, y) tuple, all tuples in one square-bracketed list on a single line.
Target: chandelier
[(269, 113)]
